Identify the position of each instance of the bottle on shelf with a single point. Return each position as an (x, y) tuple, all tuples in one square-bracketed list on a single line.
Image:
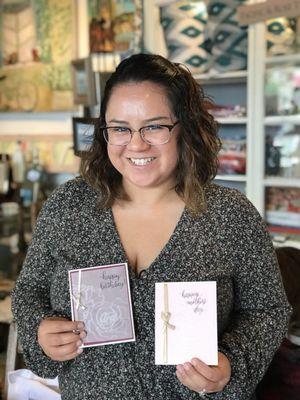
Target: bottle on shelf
[(18, 164), (4, 174)]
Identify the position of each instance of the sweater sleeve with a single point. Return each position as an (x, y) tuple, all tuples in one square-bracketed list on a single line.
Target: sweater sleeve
[(31, 295), (261, 311)]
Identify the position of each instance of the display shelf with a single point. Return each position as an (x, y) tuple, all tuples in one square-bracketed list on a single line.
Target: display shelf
[(233, 178), (287, 243), (275, 120), (284, 59), (232, 121), (214, 77), (281, 182)]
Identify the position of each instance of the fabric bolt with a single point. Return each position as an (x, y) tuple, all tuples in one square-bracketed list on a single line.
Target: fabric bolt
[(227, 243)]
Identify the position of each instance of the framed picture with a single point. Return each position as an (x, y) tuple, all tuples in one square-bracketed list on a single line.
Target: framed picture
[(83, 133), (83, 78)]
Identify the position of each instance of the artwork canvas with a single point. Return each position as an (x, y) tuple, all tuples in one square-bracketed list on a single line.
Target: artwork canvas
[(36, 46)]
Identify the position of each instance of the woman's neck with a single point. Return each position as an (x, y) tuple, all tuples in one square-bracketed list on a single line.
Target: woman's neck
[(149, 197)]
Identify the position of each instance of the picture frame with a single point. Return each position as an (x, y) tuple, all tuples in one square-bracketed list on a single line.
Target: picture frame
[(83, 133), (83, 79)]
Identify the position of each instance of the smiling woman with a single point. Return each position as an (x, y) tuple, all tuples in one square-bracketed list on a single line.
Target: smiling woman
[(146, 198)]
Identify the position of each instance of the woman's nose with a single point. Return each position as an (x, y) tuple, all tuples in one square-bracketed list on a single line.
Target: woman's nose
[(137, 142)]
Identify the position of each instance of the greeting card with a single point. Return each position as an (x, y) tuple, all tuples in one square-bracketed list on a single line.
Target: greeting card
[(100, 297), (185, 322)]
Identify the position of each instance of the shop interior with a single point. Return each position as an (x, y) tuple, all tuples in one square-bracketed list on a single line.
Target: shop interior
[(52, 82)]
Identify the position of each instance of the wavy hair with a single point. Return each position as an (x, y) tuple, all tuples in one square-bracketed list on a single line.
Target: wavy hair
[(198, 141)]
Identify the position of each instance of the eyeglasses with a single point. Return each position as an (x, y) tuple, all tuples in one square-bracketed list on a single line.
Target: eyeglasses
[(151, 134)]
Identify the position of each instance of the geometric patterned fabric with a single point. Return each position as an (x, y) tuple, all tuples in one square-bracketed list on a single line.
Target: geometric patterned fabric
[(228, 40), (205, 35), (184, 24), (280, 36)]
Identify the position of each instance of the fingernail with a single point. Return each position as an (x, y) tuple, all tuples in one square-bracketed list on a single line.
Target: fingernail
[(80, 325), (80, 350), (78, 343), (187, 366), (83, 334), (180, 368)]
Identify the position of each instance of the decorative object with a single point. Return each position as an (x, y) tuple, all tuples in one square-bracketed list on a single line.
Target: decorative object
[(83, 78), (115, 25), (35, 55), (83, 133), (280, 36)]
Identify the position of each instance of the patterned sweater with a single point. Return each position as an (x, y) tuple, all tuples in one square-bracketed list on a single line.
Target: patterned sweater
[(227, 243)]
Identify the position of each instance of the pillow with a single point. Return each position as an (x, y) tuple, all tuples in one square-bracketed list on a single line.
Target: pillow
[(229, 41), (184, 25)]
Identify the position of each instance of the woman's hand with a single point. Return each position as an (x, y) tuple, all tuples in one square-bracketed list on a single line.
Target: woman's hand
[(198, 376), (60, 338)]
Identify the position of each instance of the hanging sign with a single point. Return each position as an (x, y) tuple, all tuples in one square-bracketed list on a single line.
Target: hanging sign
[(252, 13)]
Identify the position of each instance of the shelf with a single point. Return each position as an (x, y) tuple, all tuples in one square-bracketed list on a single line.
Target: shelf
[(287, 243), (232, 121), (274, 120), (213, 77), (289, 58), (278, 181), (232, 178)]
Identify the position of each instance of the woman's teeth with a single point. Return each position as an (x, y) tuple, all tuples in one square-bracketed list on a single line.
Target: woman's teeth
[(141, 161)]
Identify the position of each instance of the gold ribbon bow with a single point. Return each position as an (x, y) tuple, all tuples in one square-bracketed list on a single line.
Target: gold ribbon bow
[(165, 316)]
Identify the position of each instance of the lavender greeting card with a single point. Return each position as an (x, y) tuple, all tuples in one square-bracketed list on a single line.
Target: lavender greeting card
[(100, 297), (186, 322)]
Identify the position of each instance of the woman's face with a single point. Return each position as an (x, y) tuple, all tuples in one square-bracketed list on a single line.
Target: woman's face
[(136, 105)]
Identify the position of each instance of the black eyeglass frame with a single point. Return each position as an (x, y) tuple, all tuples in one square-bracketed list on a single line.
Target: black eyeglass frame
[(132, 131)]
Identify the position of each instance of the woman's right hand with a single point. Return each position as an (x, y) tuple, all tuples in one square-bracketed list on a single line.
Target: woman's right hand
[(60, 338)]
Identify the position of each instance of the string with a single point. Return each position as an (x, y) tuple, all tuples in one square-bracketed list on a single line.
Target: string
[(165, 316)]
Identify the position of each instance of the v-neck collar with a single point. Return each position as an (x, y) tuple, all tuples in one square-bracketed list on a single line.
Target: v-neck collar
[(184, 217)]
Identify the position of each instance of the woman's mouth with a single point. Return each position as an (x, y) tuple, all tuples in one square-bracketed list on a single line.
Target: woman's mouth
[(141, 161)]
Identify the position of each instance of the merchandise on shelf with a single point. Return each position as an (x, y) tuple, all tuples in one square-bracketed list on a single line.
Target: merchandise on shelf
[(280, 36), (282, 90), (232, 157), (184, 25), (282, 151), (283, 211)]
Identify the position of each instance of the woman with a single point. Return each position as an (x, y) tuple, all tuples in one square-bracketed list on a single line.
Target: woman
[(146, 197)]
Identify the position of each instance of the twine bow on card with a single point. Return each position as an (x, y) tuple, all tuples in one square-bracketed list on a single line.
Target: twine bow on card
[(165, 316), (77, 298)]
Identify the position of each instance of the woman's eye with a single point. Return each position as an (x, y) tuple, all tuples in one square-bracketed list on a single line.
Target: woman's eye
[(119, 129), (151, 128)]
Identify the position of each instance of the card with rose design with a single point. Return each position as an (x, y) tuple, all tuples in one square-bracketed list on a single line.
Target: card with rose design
[(186, 322), (100, 297)]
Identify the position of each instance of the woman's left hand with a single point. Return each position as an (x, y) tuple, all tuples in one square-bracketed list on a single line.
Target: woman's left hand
[(202, 378)]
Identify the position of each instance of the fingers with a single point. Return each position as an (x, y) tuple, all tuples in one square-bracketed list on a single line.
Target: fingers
[(61, 339), (196, 375), (62, 325), (206, 371), (189, 377), (65, 338)]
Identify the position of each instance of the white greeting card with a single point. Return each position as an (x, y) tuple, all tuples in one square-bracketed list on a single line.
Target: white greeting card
[(186, 322), (100, 297)]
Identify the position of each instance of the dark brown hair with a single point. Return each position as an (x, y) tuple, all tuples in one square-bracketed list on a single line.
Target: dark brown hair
[(198, 142)]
